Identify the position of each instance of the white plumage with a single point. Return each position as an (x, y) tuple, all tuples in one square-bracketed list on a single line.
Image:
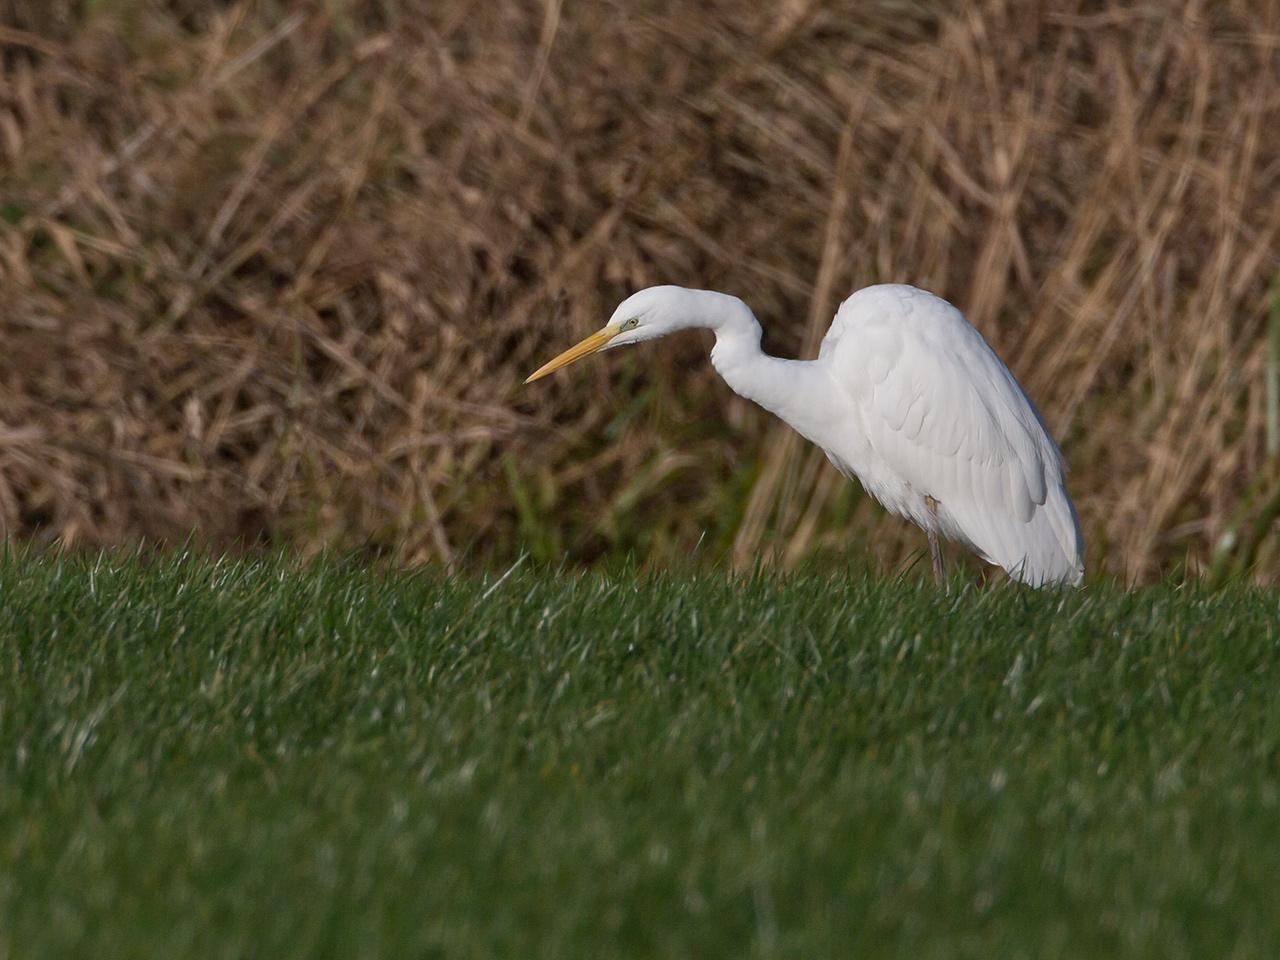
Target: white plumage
[(908, 397)]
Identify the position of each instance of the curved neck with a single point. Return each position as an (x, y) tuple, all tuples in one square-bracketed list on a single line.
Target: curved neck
[(798, 391), (712, 310)]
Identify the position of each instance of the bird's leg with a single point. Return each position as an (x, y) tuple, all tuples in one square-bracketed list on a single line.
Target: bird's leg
[(935, 548)]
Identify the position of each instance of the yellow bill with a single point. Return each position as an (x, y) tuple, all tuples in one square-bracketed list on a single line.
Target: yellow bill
[(583, 348)]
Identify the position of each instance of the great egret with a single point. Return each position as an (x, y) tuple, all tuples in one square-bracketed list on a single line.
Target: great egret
[(908, 397)]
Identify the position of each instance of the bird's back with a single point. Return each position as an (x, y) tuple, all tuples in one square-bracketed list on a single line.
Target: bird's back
[(936, 414)]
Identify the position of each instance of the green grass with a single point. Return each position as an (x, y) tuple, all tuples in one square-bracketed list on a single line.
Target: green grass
[(255, 759)]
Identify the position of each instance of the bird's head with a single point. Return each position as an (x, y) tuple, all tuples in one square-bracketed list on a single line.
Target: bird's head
[(645, 315)]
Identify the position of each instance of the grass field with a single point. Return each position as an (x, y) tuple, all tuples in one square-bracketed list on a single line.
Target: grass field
[(254, 758)]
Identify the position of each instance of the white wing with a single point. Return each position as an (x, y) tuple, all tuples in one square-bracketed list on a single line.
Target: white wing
[(942, 417)]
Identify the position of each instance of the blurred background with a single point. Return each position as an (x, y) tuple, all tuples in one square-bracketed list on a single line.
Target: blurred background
[(272, 273)]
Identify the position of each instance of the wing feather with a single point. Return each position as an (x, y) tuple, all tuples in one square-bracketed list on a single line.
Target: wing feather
[(941, 416)]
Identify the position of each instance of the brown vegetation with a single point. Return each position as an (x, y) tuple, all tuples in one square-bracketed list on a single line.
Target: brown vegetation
[(273, 272)]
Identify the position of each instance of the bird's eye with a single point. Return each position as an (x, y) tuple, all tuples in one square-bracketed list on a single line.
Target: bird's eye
[(631, 324)]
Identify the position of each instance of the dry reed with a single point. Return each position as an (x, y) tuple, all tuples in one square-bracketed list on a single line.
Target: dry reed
[(272, 272)]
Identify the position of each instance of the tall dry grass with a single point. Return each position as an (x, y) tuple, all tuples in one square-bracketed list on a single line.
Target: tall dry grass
[(272, 272)]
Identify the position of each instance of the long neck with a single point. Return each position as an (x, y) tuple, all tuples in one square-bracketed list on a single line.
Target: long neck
[(798, 391)]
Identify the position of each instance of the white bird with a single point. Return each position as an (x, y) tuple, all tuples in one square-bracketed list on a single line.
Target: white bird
[(908, 397)]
